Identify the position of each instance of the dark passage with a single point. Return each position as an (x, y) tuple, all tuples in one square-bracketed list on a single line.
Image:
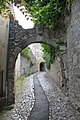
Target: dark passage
[(40, 110), (42, 66)]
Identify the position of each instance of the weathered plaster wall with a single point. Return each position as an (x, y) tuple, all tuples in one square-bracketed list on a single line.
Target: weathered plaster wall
[(24, 65), (33, 66), (17, 67), (3, 51), (3, 58)]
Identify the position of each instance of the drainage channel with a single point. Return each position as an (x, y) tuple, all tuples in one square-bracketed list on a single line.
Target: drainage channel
[(40, 110)]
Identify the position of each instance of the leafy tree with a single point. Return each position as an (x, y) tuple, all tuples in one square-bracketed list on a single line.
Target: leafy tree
[(2, 5), (46, 12)]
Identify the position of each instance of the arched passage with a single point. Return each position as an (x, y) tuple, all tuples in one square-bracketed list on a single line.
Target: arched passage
[(42, 66), (20, 38)]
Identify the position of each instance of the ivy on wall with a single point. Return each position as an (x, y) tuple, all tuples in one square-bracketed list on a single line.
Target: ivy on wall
[(48, 54), (25, 53), (46, 12), (2, 5)]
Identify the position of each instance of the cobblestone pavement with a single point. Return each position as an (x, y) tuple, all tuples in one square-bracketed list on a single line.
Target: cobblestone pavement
[(24, 102), (58, 103), (59, 106)]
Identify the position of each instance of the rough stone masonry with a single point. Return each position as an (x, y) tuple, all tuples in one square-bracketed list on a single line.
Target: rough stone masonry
[(20, 38), (73, 53)]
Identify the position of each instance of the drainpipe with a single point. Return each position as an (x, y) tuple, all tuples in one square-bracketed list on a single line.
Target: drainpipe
[(2, 83), (7, 62)]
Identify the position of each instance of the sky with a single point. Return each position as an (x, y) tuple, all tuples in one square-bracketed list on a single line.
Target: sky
[(26, 24)]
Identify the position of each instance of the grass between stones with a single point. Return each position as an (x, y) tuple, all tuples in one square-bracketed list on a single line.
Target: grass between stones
[(19, 81), (19, 85)]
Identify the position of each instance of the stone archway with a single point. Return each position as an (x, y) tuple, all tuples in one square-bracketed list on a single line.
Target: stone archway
[(20, 38), (42, 66)]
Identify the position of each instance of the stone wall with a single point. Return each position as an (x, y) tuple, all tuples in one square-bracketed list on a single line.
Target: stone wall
[(55, 72), (58, 71), (71, 60), (20, 38), (25, 66), (73, 47)]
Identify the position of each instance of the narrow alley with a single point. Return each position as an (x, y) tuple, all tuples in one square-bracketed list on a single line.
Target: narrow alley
[(40, 60), (50, 96)]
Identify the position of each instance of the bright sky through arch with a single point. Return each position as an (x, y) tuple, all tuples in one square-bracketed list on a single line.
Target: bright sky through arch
[(26, 24)]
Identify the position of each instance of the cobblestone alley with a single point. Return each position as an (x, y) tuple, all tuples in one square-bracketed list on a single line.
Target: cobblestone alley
[(59, 108)]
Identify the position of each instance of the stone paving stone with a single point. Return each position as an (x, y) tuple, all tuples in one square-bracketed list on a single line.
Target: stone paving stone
[(60, 108), (24, 102)]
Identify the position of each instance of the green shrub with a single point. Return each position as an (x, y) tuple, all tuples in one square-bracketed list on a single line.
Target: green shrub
[(46, 12), (48, 54), (25, 53), (20, 80)]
